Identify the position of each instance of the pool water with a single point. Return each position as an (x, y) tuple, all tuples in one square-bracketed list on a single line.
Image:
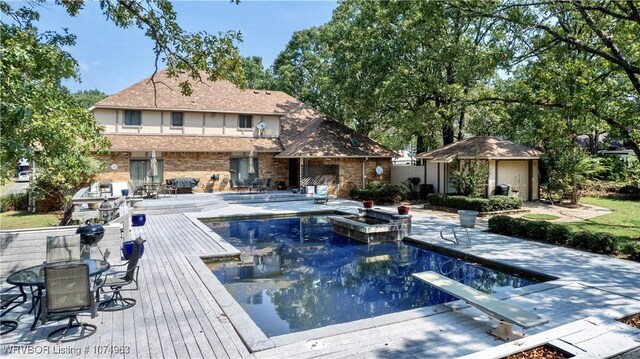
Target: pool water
[(295, 274)]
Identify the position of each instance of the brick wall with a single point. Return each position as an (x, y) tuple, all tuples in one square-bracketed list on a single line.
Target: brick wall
[(203, 165)]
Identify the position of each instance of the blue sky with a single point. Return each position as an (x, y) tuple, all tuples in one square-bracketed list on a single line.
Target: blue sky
[(112, 59)]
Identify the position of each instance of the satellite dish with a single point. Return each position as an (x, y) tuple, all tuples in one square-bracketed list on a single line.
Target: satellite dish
[(379, 171), (261, 125)]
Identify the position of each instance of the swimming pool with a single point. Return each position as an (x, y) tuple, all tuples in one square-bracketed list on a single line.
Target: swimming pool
[(295, 274)]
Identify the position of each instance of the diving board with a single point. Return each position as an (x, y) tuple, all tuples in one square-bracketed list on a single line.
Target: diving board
[(506, 314)]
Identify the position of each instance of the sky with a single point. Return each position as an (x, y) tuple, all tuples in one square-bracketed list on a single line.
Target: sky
[(111, 58)]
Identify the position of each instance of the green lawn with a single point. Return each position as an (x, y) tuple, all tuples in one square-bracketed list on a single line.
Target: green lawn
[(540, 216), (23, 219), (624, 222)]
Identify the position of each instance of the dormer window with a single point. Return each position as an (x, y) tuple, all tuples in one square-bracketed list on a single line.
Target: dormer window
[(132, 117), (245, 121), (176, 119)]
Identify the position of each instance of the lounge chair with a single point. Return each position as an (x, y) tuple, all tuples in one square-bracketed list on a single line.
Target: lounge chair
[(322, 194)]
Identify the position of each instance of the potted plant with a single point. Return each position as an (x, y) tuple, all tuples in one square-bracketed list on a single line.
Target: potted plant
[(138, 220), (467, 218), (127, 249), (367, 203), (404, 210)]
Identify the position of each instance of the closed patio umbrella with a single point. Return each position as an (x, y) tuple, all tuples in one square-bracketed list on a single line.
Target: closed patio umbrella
[(153, 166), (251, 171)]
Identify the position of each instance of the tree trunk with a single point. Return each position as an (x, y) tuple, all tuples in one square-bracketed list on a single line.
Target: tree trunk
[(448, 133), (461, 124)]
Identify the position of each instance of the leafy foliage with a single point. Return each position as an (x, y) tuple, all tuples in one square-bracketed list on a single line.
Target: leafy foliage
[(492, 204), (556, 233), (380, 192), (88, 98), (471, 178), (13, 202), (567, 170)]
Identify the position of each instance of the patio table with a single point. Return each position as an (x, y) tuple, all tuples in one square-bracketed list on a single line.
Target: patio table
[(34, 277)]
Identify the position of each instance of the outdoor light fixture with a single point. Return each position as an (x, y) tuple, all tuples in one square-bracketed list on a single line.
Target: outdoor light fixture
[(106, 209)]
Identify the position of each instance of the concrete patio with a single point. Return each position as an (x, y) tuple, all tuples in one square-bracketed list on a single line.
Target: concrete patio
[(179, 314)]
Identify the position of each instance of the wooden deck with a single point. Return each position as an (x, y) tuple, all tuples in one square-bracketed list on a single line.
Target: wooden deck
[(177, 316)]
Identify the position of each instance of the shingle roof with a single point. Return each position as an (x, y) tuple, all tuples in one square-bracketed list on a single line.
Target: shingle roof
[(305, 132), (482, 147), (214, 96), (182, 143), (325, 137)]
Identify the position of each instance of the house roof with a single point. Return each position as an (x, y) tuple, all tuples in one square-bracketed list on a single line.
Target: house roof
[(305, 132), (182, 143), (325, 137), (481, 147), (211, 96)]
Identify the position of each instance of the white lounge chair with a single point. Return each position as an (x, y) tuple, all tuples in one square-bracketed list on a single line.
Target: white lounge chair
[(322, 194)]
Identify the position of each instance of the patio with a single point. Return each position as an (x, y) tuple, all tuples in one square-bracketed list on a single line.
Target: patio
[(178, 315)]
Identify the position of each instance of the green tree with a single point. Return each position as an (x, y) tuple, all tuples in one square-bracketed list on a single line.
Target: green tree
[(88, 98), (607, 33), (394, 70), (471, 177), (43, 121), (256, 76)]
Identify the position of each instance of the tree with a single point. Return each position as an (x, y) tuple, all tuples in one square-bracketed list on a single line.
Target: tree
[(256, 76), (88, 98), (42, 121), (394, 70), (607, 32)]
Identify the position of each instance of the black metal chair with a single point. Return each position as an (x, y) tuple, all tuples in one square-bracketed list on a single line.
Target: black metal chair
[(68, 293), (63, 248), (9, 301), (119, 281)]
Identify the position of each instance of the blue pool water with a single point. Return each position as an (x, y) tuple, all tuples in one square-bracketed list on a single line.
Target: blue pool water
[(295, 274)]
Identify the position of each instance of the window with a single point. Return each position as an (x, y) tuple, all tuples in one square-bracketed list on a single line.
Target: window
[(176, 119), (244, 121), (240, 169), (132, 118)]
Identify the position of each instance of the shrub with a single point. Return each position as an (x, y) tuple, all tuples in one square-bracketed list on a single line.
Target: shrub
[(380, 192), (558, 234), (539, 230), (595, 242), (14, 202), (471, 179), (631, 192), (496, 203), (633, 250), (507, 226)]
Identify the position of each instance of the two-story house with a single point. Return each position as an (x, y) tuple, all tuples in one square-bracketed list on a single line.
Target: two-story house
[(212, 134)]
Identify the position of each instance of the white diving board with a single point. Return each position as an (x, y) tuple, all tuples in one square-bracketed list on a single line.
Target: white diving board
[(506, 314)]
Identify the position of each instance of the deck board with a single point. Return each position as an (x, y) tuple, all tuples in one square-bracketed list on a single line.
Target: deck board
[(176, 316)]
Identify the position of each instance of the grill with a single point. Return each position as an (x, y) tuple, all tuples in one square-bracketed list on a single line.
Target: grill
[(90, 234)]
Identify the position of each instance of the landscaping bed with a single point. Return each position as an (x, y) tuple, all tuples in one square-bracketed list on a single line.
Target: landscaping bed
[(480, 214), (561, 234), (632, 320), (542, 352), (492, 204)]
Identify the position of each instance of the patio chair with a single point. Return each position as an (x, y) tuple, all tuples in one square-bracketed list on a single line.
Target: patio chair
[(63, 248), (68, 293), (169, 189), (267, 185), (322, 194), (8, 302), (117, 281)]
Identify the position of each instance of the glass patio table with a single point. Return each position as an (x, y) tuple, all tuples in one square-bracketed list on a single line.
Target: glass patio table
[(34, 277)]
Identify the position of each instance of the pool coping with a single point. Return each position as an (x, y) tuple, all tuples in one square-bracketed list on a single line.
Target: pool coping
[(255, 339)]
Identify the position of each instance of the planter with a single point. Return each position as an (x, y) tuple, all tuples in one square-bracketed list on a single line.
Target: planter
[(127, 249), (138, 220), (367, 203), (125, 192), (467, 218), (403, 210)]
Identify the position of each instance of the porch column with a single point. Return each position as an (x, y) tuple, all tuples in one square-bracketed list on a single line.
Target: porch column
[(530, 180)]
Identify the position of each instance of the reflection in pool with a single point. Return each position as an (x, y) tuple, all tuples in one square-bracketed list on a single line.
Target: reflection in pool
[(295, 274)]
